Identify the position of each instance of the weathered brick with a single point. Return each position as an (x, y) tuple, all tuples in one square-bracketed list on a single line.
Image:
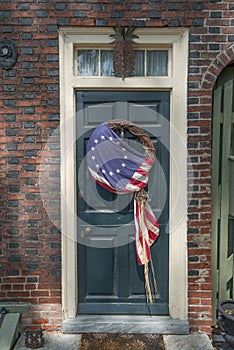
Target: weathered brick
[(14, 189), (216, 14), (198, 22), (23, 7), (63, 21), (155, 14), (29, 110), (10, 132), (7, 29), (10, 118), (27, 51), (214, 47), (14, 258), (13, 203), (214, 30), (13, 245), (9, 88), (81, 14), (42, 14), (10, 103), (29, 167), (32, 266), (32, 279), (27, 80), (117, 14), (29, 139), (5, 14), (13, 272), (198, 6)]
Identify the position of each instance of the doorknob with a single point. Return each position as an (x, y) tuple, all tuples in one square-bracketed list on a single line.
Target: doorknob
[(87, 229)]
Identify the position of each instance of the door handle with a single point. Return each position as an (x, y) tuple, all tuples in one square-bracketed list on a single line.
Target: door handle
[(87, 230)]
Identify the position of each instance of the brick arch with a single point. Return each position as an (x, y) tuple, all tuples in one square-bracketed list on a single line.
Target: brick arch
[(217, 65)]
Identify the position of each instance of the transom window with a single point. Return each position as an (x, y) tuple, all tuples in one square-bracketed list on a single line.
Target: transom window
[(99, 62)]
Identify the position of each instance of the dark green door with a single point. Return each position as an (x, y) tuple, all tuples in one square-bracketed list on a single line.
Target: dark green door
[(109, 278)]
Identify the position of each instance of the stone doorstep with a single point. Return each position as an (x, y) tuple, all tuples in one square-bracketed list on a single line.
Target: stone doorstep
[(125, 324), (172, 342)]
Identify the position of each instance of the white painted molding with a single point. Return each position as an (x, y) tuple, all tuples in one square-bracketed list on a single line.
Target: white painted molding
[(177, 40)]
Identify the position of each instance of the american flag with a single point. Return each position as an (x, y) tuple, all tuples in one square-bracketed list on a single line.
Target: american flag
[(119, 168)]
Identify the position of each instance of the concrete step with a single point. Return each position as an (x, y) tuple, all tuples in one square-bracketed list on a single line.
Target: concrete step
[(125, 324), (187, 342)]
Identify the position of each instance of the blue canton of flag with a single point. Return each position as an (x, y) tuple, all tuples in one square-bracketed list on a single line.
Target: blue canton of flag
[(114, 164)]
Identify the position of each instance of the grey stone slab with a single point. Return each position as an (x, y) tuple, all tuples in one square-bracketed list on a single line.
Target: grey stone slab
[(125, 324), (16, 307), (187, 342), (53, 341)]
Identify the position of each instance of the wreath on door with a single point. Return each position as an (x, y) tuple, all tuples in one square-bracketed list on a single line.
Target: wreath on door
[(121, 169)]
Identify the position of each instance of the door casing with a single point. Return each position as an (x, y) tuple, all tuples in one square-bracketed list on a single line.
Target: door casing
[(176, 83)]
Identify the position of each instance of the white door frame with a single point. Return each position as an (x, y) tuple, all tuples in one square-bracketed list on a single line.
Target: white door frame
[(176, 82)]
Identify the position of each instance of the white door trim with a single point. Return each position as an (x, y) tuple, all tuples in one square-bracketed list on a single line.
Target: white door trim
[(176, 82)]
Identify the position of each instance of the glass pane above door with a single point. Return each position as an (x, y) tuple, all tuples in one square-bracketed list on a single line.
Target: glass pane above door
[(107, 63), (88, 62), (157, 63), (99, 62)]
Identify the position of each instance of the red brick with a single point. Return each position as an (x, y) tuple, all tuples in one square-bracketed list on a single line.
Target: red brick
[(41, 321), (216, 6)]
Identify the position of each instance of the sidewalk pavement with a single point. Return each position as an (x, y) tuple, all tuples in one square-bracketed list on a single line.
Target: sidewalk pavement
[(71, 342)]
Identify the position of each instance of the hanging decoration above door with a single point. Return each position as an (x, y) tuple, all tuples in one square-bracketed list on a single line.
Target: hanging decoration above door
[(120, 168), (123, 54)]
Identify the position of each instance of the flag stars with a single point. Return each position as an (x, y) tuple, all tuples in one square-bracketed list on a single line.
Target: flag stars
[(111, 173), (125, 157), (103, 171), (96, 141), (124, 149), (111, 138), (93, 158), (123, 165), (118, 171), (103, 137), (97, 166), (92, 148)]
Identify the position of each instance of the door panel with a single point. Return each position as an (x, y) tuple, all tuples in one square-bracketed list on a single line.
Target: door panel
[(110, 281)]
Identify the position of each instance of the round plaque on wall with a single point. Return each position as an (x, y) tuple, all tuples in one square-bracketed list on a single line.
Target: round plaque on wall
[(8, 54)]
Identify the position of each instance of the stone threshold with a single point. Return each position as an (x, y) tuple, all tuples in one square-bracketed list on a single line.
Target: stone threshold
[(125, 324)]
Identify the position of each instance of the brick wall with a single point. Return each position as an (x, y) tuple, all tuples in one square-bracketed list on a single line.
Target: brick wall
[(29, 112)]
